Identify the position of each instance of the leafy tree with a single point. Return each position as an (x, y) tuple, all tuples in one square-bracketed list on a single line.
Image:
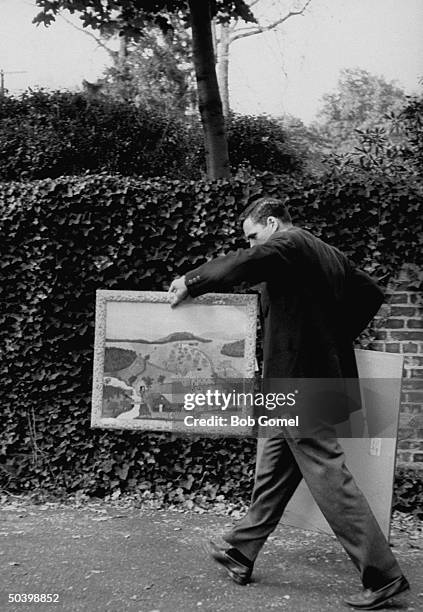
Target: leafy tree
[(410, 122), (132, 17), (395, 150), (306, 141), (361, 102), (156, 72)]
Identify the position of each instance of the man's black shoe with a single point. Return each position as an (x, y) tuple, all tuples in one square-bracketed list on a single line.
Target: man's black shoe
[(237, 571), (370, 599)]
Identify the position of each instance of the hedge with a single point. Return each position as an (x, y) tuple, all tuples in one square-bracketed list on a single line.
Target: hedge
[(50, 134), (62, 239)]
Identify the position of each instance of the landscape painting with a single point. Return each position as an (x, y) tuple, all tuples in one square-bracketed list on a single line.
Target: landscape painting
[(148, 356)]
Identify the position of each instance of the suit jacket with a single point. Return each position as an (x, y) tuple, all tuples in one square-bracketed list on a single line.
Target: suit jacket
[(313, 301)]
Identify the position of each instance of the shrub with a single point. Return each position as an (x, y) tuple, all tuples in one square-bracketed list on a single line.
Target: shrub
[(61, 133), (262, 143), (53, 134)]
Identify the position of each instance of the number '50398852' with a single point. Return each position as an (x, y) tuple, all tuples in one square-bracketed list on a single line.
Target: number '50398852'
[(33, 597)]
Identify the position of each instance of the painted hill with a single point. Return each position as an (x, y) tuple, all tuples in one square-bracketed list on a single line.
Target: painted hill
[(179, 336), (234, 349), (174, 337), (116, 358)]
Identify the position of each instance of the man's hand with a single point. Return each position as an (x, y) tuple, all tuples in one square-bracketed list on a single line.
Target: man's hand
[(178, 291)]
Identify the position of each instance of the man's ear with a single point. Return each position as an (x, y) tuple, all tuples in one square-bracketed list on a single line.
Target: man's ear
[(272, 222)]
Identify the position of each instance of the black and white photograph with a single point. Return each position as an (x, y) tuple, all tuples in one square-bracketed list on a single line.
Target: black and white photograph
[(211, 300)]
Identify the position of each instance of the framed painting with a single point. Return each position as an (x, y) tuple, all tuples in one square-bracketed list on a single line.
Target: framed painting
[(167, 369)]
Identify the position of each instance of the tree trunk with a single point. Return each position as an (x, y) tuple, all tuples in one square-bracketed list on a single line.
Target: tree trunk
[(223, 67), (123, 71), (123, 48), (209, 102)]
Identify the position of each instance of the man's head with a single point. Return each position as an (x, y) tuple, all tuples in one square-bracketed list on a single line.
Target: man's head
[(262, 218)]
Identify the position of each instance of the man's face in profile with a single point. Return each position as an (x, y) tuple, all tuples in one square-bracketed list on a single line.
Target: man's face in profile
[(258, 233)]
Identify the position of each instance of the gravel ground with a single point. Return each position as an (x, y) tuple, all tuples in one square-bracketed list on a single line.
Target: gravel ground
[(110, 557)]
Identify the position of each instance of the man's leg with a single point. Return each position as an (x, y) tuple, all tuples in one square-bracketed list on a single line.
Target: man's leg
[(277, 477), (322, 464)]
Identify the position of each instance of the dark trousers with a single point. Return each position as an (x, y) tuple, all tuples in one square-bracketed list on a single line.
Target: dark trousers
[(321, 462)]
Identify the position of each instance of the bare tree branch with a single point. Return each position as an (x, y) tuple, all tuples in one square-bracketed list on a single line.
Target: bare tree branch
[(113, 54), (258, 29), (246, 30)]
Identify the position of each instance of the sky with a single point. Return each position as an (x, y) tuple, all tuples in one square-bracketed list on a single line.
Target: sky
[(283, 71), (128, 319)]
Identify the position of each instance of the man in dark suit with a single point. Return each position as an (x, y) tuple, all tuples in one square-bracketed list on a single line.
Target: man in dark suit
[(314, 303)]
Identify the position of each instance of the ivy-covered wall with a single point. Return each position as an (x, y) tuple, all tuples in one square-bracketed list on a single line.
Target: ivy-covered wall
[(64, 238)]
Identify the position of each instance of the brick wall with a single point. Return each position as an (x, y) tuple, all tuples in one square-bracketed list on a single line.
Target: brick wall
[(399, 329)]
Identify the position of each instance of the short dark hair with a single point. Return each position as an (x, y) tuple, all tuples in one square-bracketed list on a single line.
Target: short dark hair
[(262, 208)]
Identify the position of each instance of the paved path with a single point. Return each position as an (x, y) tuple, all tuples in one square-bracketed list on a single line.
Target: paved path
[(101, 558)]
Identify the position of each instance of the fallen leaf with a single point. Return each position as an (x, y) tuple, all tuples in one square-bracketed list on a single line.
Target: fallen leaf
[(119, 516)]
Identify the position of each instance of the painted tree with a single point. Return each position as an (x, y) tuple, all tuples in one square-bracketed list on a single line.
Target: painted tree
[(230, 31), (131, 18)]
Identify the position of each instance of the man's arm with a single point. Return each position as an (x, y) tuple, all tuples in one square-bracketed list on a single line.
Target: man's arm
[(253, 265)]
